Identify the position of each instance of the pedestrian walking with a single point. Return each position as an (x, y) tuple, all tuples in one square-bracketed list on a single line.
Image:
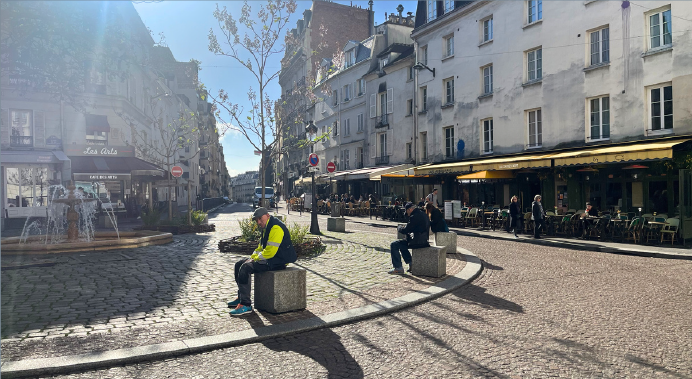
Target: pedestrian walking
[(538, 216), (432, 197), (417, 231), (274, 252), (515, 215)]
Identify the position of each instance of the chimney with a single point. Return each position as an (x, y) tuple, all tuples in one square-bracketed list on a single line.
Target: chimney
[(400, 9), (371, 27)]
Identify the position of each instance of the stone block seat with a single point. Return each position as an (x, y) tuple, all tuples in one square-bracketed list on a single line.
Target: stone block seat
[(429, 261), (448, 240), (281, 291), (336, 224)]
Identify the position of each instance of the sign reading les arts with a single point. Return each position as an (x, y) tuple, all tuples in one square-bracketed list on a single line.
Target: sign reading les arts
[(99, 151)]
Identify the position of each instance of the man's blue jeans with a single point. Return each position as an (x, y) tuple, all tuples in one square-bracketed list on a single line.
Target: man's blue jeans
[(398, 249)]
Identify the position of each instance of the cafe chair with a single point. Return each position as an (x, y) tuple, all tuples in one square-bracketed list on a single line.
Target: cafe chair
[(634, 231), (528, 223), (670, 229), (472, 217)]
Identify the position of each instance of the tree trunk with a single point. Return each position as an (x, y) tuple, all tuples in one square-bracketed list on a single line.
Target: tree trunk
[(170, 194)]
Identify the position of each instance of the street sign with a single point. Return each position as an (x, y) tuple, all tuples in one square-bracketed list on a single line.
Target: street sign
[(331, 167), (177, 171), (313, 159), (313, 169), (257, 152)]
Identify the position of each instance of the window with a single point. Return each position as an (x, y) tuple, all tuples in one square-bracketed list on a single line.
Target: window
[(432, 10), (534, 64), (660, 29), (383, 144), (409, 107), (487, 135), (29, 187), (488, 29), (347, 92), (535, 128), (360, 122), (350, 58), (347, 127), (410, 73), (361, 87), (535, 8), (383, 62), (359, 157), (449, 90), (335, 128), (449, 5), (21, 128), (424, 98), (661, 111), (449, 142), (600, 46), (424, 145), (409, 152), (94, 137), (347, 159), (488, 80), (599, 118), (335, 97), (449, 46), (423, 55)]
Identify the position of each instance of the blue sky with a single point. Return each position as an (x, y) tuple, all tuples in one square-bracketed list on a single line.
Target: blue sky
[(186, 24)]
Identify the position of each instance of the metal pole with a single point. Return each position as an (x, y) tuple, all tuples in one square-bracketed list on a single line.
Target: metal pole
[(314, 226)]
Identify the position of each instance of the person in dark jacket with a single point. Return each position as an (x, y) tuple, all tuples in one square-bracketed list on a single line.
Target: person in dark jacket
[(437, 220), (274, 252), (416, 230), (538, 216), (515, 215)]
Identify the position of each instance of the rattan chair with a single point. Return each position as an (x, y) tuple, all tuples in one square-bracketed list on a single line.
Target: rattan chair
[(670, 229)]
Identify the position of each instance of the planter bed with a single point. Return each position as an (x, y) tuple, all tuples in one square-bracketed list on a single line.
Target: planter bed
[(311, 246), (180, 229)]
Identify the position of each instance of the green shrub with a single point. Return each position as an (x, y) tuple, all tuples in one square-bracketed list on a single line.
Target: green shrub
[(198, 217), (298, 233), (151, 218), (249, 231)]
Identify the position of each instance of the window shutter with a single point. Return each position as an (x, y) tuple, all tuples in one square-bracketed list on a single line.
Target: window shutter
[(373, 145), (373, 106), (5, 127), (39, 129), (390, 141), (390, 100)]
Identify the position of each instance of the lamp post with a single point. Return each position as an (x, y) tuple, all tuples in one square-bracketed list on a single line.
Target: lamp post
[(419, 66), (311, 131)]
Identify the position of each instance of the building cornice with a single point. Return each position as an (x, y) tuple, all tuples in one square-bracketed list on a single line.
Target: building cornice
[(446, 19)]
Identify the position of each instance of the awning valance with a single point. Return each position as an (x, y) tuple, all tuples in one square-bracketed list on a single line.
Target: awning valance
[(443, 168), (504, 163), (111, 165), (615, 154), (377, 175), (97, 123), (502, 174)]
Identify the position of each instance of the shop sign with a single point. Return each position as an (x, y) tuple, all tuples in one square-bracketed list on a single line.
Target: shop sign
[(102, 176), (99, 151), (508, 166), (44, 159)]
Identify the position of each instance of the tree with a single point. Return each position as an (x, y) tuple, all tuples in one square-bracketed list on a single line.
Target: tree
[(254, 47)]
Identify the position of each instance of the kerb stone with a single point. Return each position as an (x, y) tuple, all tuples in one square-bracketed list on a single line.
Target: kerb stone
[(429, 261), (336, 224), (448, 240), (281, 291)]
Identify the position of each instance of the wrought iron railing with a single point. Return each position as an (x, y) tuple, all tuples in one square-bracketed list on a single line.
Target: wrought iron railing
[(21, 141), (382, 160)]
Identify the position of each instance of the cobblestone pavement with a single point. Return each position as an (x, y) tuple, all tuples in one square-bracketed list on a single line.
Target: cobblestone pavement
[(534, 312), (77, 303)]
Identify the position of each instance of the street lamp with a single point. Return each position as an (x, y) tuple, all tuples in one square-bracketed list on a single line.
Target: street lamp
[(311, 131), (419, 66)]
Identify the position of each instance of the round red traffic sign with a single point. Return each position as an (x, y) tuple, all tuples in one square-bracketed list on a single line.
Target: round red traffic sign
[(313, 159), (177, 171), (331, 167)]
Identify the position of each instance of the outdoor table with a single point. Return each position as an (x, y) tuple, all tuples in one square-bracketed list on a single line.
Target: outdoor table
[(619, 226), (655, 228)]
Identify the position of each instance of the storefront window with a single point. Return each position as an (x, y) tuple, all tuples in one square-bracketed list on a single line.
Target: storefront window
[(12, 187), (28, 186)]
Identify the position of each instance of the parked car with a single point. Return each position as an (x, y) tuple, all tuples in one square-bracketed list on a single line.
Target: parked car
[(227, 200), (268, 196)]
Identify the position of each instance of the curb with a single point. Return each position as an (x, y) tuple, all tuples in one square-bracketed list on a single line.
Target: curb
[(74, 363)]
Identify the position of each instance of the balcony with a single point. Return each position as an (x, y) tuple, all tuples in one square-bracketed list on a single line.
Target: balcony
[(382, 160), (21, 141), (382, 121)]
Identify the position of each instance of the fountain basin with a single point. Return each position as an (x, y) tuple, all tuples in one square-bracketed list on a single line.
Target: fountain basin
[(102, 241)]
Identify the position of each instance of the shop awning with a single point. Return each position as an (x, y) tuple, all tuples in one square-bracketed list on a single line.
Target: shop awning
[(502, 174), (377, 175), (308, 180), (443, 168), (615, 154), (515, 162), (97, 123), (114, 165), (32, 157)]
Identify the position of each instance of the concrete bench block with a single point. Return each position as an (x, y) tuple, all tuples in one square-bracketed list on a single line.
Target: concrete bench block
[(429, 261), (400, 235), (336, 224), (447, 240), (281, 291)]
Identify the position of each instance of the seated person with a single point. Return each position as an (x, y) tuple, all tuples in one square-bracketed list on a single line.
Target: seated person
[(586, 222), (416, 231), (437, 220)]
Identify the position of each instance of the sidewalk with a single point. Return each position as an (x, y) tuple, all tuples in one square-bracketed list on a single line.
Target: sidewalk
[(126, 306)]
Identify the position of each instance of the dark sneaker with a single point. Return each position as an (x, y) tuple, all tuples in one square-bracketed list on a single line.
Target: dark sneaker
[(234, 303), (241, 310), (397, 271)]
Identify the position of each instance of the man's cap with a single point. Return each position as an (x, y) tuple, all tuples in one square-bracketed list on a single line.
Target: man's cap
[(434, 189), (587, 204), (409, 205), (259, 212)]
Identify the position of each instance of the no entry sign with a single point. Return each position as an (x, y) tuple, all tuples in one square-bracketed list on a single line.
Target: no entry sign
[(177, 171), (331, 167), (313, 159)]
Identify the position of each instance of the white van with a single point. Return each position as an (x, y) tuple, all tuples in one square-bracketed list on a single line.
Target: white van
[(268, 194)]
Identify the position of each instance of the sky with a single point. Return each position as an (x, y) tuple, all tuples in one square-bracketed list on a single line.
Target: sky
[(186, 24)]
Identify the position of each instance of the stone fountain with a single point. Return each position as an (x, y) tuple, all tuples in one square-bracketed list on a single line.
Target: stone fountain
[(72, 216)]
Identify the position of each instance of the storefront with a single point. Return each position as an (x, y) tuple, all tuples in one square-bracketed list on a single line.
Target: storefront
[(27, 180)]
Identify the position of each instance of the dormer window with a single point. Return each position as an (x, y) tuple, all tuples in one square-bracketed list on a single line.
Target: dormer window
[(432, 10), (383, 62), (449, 5), (350, 58)]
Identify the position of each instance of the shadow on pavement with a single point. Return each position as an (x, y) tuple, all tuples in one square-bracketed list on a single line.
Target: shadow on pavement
[(324, 347), (477, 295)]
